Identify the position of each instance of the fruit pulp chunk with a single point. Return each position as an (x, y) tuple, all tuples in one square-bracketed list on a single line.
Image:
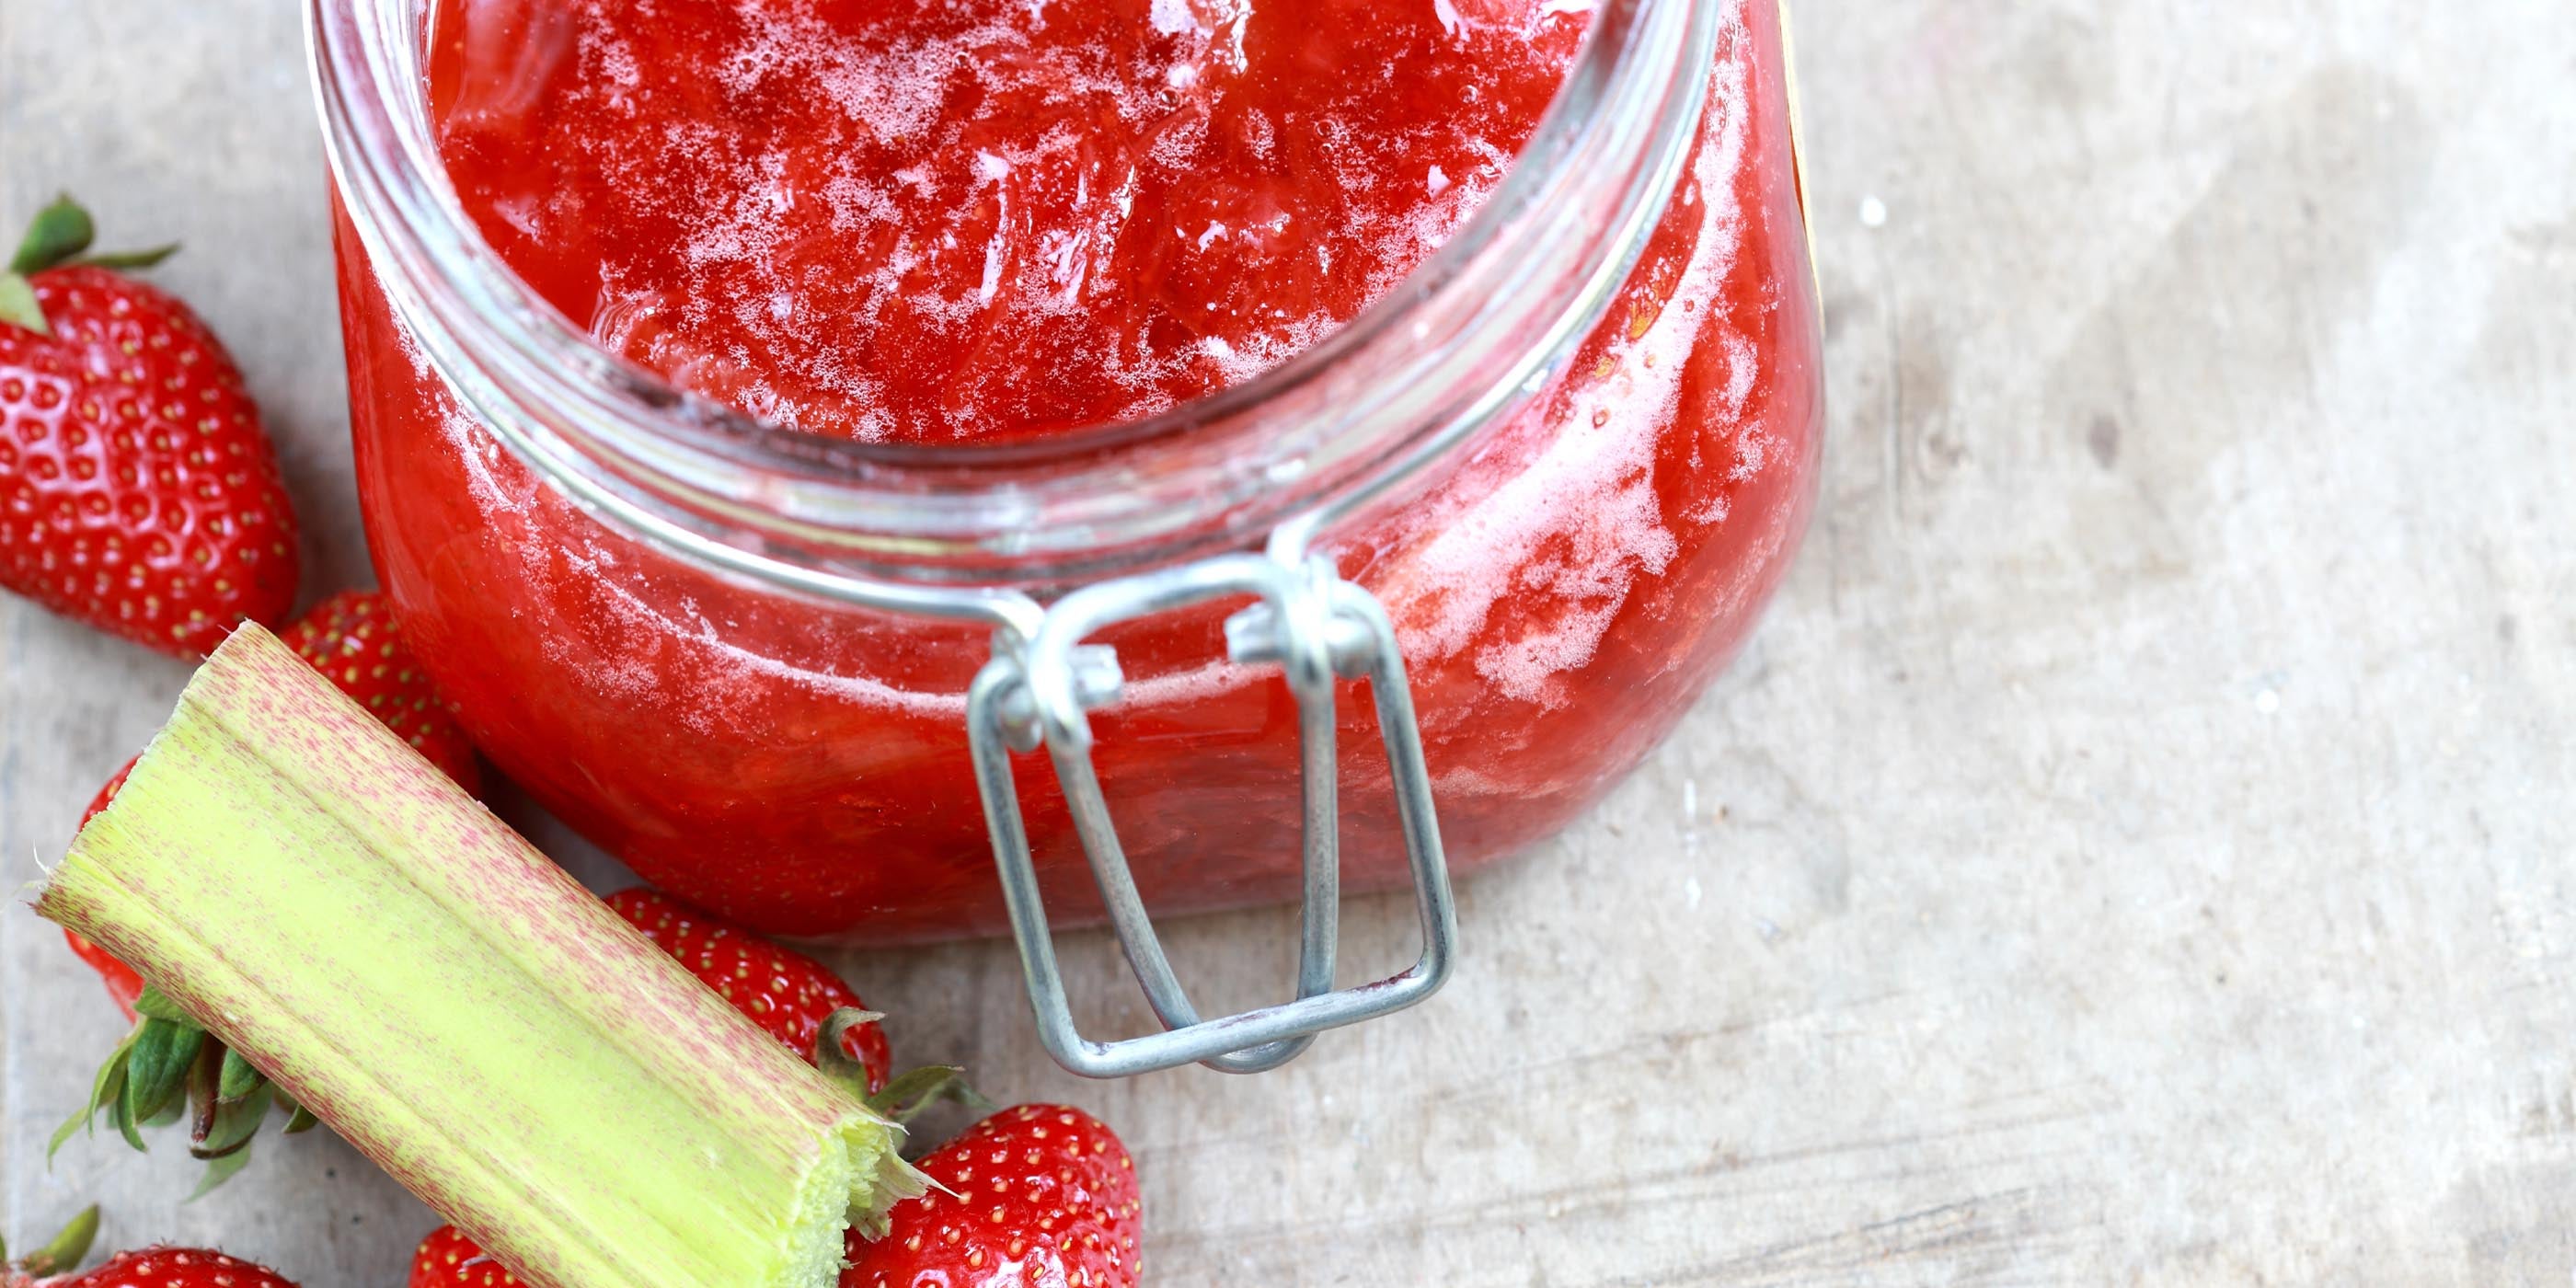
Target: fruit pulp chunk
[(984, 221)]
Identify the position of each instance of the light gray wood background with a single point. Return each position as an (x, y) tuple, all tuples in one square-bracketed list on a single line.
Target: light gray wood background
[(2136, 849)]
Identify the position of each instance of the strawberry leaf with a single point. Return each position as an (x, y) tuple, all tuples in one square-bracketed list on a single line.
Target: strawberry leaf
[(219, 1171), (298, 1119), (104, 1090), (234, 1124), (65, 1250), (128, 260), (915, 1090), (58, 232), (154, 1004), (239, 1078), (158, 1069), (121, 1114), (18, 306)]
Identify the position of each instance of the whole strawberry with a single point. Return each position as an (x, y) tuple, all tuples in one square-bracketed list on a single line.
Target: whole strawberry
[(1040, 1194), (138, 493), (50, 1266), (783, 991)]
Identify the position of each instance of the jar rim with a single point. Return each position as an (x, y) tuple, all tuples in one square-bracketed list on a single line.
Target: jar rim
[(1473, 329)]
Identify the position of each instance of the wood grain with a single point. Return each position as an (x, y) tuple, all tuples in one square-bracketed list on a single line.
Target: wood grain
[(2134, 851)]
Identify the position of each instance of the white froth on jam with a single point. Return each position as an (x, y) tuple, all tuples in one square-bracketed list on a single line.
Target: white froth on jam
[(1564, 516)]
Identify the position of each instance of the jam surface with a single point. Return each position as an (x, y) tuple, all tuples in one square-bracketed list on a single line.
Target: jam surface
[(943, 220)]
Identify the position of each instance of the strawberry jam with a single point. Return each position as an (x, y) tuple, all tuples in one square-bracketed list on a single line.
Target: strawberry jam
[(981, 221), (929, 220)]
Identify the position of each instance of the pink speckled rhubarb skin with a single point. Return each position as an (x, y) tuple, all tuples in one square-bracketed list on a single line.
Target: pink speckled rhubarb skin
[(447, 999)]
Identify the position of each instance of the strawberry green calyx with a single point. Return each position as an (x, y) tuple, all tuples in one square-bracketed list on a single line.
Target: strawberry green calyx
[(19, 306), (332, 908), (907, 1095), (168, 1067), (60, 234), (57, 233), (58, 1256)]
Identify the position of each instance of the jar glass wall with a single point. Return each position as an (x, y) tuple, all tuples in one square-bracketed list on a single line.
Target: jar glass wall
[(1565, 575)]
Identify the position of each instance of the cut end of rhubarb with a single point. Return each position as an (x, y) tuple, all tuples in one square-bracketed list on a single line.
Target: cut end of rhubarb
[(860, 1197), (403, 965), (850, 1187)]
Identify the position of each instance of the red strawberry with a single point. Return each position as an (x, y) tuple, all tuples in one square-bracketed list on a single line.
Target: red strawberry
[(785, 992), (175, 1268), (138, 493), (350, 638), (447, 1259), (50, 1266), (1041, 1194)]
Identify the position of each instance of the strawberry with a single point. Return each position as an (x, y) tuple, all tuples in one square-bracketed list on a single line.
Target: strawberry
[(159, 1267), (1038, 1194), (350, 639), (448, 1259), (785, 992), (176, 1268), (138, 493)]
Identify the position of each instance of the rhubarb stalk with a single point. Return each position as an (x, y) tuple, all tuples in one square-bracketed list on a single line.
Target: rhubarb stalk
[(402, 964)]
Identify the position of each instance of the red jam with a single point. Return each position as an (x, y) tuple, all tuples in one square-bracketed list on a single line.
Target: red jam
[(932, 220), (977, 220)]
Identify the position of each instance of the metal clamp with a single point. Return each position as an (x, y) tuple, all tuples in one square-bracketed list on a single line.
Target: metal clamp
[(1039, 690)]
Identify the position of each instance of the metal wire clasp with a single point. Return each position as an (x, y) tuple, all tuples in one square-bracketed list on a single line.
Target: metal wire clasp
[(1039, 690)]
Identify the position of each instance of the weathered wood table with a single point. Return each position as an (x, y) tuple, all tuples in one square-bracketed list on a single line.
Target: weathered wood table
[(2137, 849)]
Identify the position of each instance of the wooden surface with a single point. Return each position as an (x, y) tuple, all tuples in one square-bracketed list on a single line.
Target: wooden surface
[(2136, 850)]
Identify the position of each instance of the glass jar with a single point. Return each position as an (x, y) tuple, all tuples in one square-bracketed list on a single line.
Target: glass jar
[(1571, 456)]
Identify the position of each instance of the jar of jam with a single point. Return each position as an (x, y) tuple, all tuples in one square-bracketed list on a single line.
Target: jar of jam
[(1340, 437)]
